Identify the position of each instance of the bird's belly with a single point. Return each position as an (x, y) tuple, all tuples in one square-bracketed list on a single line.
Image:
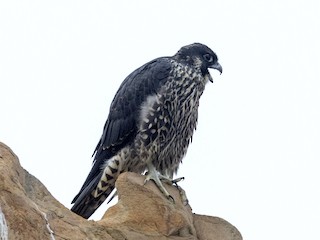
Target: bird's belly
[(168, 149), (165, 130)]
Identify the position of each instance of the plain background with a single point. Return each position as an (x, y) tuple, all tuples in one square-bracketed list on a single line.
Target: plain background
[(254, 160)]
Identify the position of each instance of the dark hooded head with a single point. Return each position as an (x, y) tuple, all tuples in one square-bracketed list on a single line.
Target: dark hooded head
[(200, 56)]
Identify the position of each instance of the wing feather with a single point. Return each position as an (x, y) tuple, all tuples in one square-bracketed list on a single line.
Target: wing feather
[(121, 125)]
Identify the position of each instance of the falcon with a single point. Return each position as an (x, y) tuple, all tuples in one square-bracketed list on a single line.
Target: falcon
[(151, 122)]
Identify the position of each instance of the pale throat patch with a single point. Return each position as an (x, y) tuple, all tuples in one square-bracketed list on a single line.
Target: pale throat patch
[(198, 64)]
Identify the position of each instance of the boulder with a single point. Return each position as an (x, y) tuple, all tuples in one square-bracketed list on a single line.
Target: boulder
[(29, 211)]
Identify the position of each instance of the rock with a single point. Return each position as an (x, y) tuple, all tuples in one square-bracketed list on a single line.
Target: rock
[(215, 228), (145, 209), (29, 211)]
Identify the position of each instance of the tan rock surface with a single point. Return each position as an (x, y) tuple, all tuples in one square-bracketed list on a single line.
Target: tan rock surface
[(31, 212), (145, 210)]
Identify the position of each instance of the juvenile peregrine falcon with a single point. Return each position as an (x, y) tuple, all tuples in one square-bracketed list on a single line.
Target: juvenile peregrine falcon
[(150, 124)]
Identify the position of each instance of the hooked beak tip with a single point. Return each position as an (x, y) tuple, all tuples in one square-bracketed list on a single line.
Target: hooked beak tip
[(217, 66)]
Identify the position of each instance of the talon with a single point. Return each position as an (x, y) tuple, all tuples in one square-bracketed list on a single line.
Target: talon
[(175, 181), (154, 175), (170, 198), (146, 180)]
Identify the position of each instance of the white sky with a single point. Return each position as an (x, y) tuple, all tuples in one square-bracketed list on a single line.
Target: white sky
[(255, 156)]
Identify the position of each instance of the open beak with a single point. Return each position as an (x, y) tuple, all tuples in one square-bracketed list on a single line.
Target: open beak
[(216, 66)]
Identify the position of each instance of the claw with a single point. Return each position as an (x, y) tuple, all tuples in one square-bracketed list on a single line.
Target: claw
[(171, 199), (158, 178), (175, 181)]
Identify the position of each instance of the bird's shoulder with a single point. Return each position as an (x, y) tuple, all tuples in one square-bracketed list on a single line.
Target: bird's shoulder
[(144, 80)]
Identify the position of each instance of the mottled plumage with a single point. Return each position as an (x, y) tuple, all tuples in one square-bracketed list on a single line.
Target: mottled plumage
[(150, 124)]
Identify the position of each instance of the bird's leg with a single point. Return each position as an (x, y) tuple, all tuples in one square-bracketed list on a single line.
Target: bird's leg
[(157, 177)]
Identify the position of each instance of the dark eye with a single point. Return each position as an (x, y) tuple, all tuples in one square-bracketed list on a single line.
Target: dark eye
[(208, 57)]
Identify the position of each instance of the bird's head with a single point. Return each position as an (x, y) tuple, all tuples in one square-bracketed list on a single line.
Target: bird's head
[(199, 56)]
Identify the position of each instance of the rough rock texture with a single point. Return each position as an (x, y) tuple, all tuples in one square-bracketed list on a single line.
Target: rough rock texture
[(29, 211)]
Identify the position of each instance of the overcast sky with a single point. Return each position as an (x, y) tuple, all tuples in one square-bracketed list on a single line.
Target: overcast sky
[(258, 136)]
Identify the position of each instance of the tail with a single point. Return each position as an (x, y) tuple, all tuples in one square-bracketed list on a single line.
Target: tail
[(85, 204)]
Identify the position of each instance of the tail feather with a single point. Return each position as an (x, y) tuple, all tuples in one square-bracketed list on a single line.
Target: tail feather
[(85, 204)]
